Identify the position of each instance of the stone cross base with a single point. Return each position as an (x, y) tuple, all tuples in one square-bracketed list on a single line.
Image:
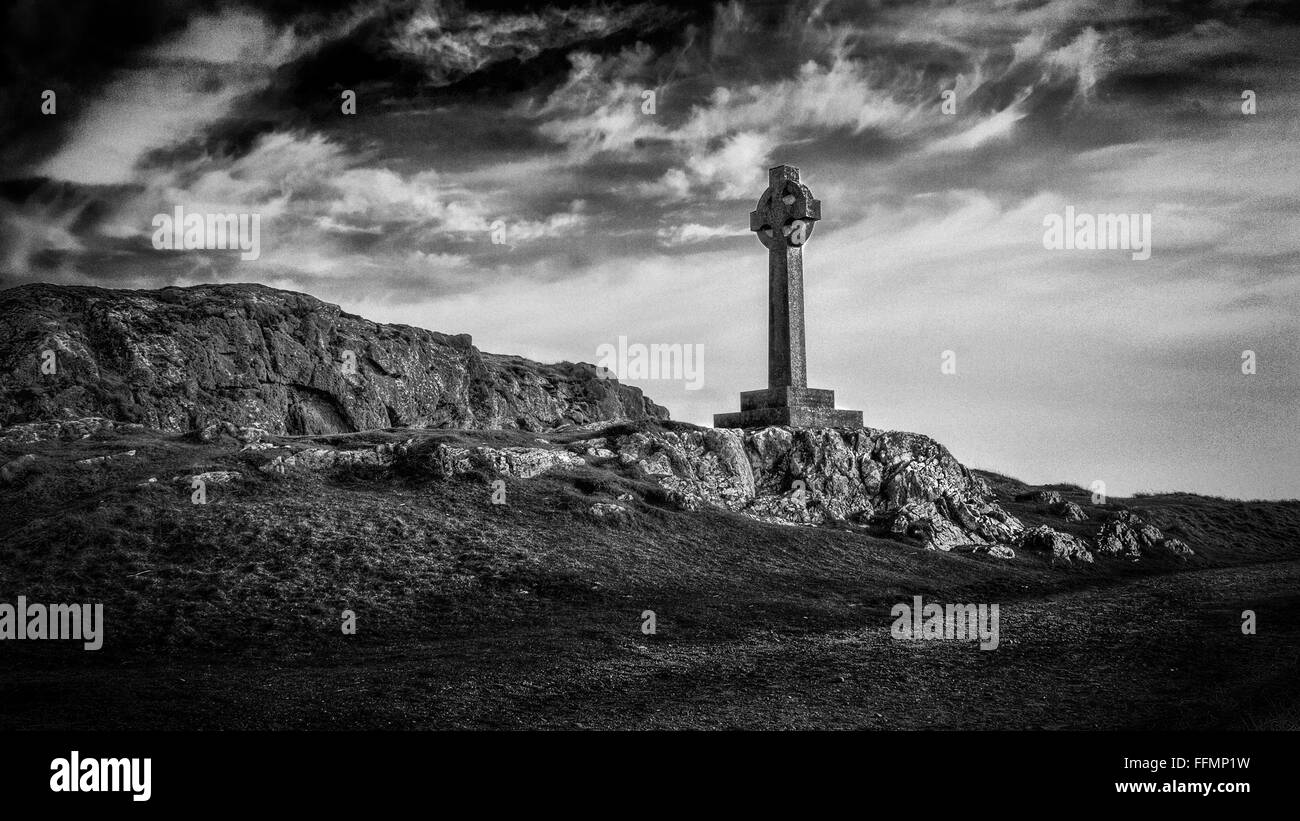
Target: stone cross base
[(795, 407)]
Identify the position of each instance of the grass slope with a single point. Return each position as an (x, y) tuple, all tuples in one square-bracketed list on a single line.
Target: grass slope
[(528, 614)]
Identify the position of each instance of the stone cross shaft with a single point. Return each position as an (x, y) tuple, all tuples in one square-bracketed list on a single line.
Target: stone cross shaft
[(784, 220)]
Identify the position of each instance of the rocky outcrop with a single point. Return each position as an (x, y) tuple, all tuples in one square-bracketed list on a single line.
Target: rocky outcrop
[(1071, 512), (891, 483), (606, 511), (180, 359), (903, 483), (63, 430), (1126, 535), (210, 477), (317, 459), (896, 483), (524, 463), (1061, 547), (511, 462), (443, 461)]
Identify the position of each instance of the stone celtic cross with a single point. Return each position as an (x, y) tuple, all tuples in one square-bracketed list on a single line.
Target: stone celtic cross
[(784, 220)]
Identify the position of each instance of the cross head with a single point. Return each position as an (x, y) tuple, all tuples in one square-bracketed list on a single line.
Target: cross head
[(787, 210)]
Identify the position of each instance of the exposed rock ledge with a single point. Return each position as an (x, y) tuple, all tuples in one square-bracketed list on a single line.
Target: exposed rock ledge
[(906, 483), (181, 359)]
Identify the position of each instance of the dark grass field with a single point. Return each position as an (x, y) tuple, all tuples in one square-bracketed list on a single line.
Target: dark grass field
[(528, 614)]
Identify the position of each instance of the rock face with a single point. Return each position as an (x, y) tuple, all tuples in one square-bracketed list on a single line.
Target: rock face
[(904, 483), (180, 359)]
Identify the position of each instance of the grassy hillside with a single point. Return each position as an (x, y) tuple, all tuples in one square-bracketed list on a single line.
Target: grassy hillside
[(540, 592)]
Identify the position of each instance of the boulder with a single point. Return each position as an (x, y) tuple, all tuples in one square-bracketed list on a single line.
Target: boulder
[(997, 551), (448, 461), (610, 512), (1071, 512), (1177, 547), (1127, 536), (1061, 546), (225, 429), (211, 477), (1117, 538)]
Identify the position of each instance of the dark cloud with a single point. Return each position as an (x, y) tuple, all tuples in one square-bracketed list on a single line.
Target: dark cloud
[(69, 48)]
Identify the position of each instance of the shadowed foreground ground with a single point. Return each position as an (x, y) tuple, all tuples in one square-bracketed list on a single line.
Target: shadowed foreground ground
[(1163, 653)]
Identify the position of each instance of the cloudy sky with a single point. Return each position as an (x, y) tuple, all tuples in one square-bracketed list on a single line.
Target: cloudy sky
[(617, 220)]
